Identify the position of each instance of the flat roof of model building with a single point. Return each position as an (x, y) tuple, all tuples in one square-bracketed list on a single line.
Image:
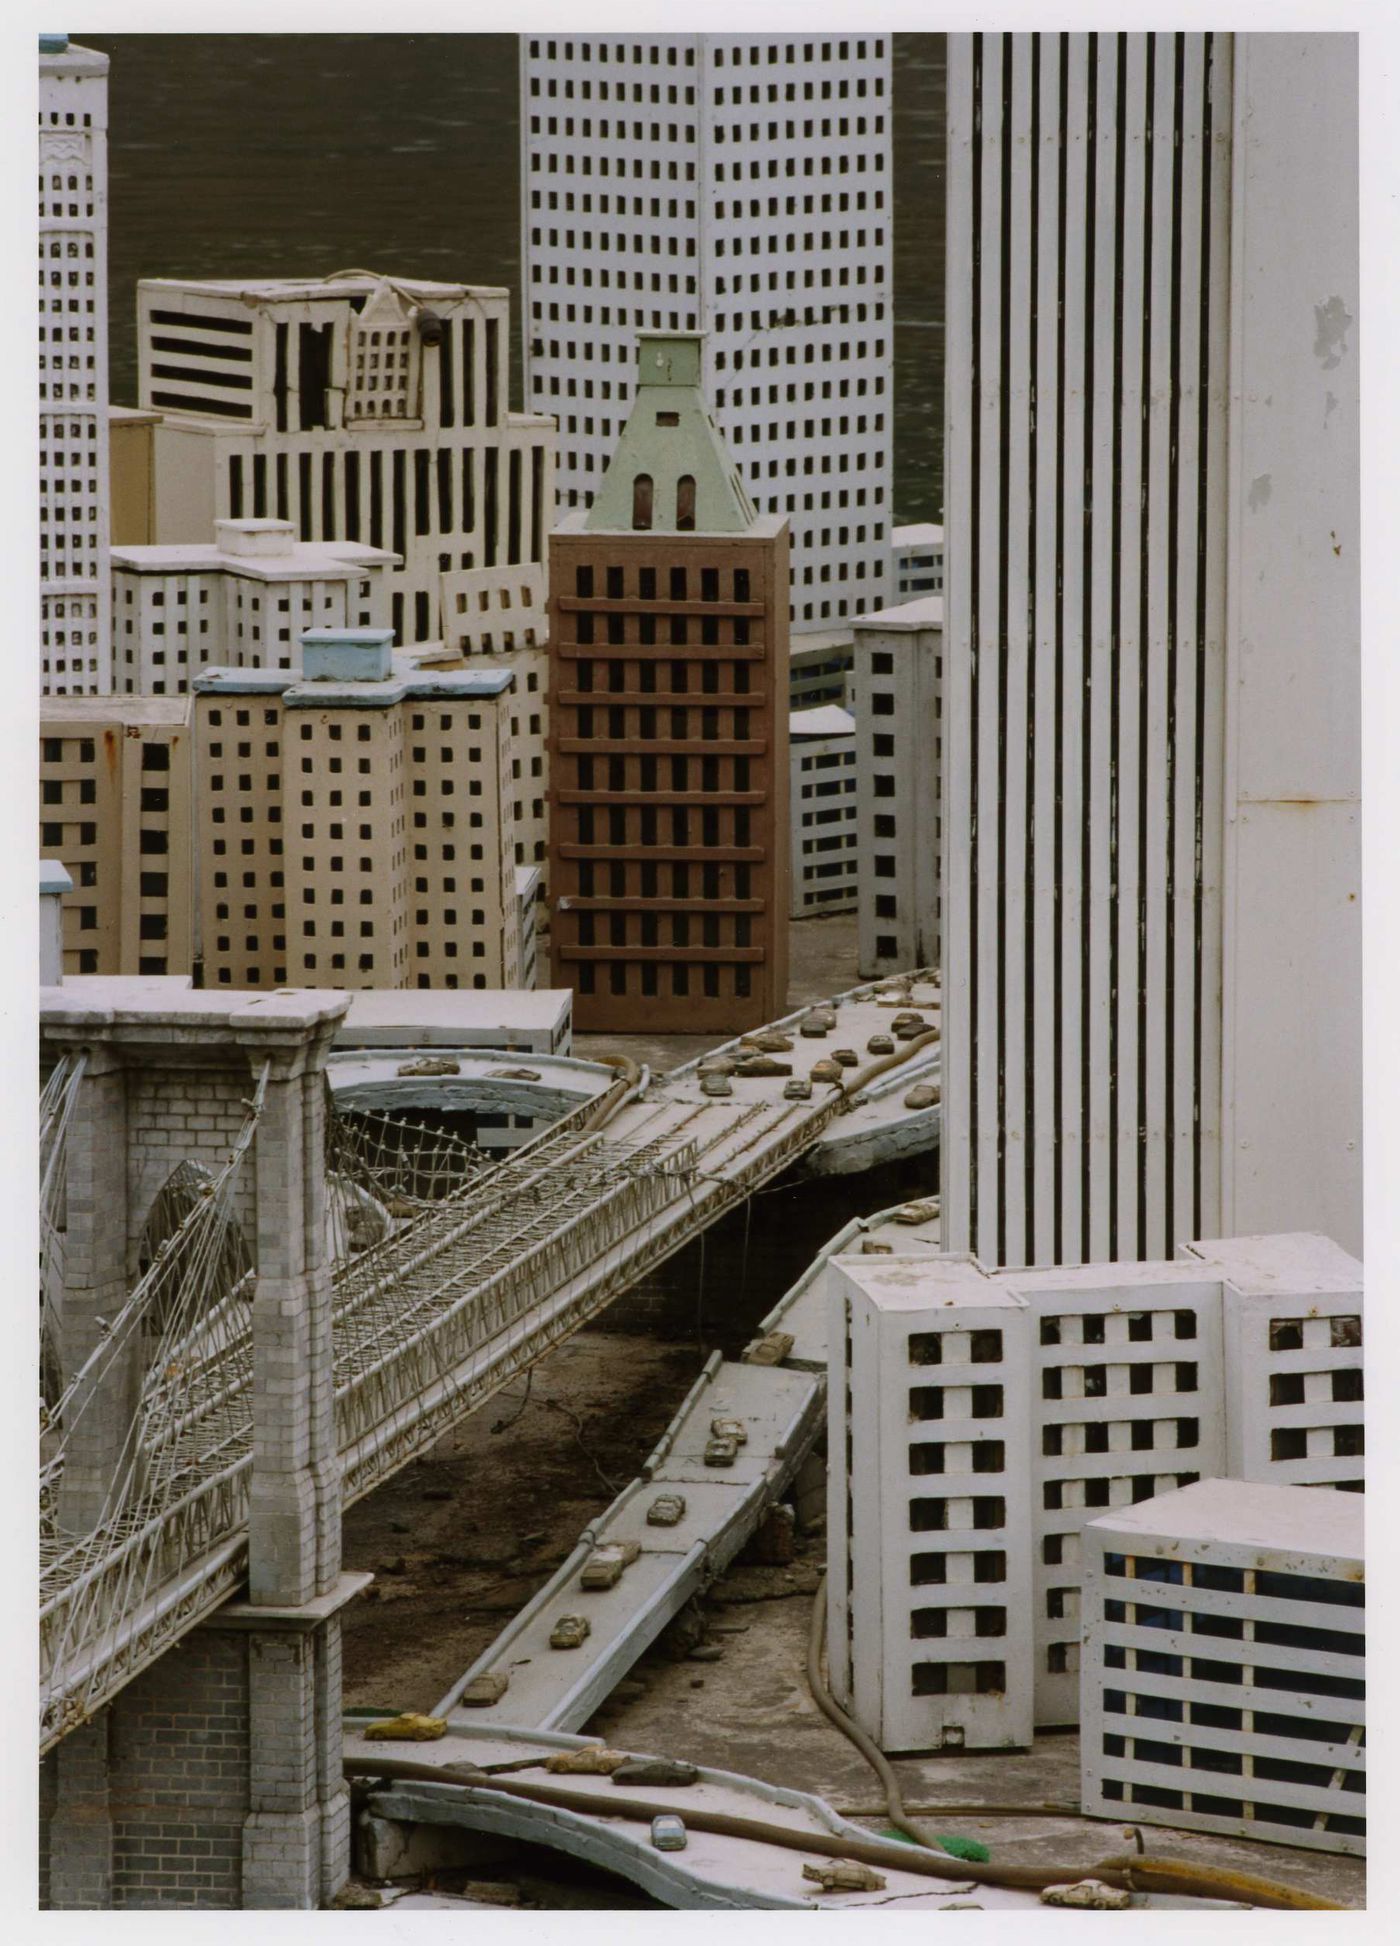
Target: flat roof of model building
[(456, 1016), (924, 611), (1247, 1513)]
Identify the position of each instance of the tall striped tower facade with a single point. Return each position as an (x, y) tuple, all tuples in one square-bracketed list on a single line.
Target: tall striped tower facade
[(1151, 771)]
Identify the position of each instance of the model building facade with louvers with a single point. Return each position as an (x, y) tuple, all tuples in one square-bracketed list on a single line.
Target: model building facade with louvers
[(668, 728), (359, 407)]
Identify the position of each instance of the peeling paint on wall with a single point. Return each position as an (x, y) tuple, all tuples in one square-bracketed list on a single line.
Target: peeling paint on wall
[(1333, 323)]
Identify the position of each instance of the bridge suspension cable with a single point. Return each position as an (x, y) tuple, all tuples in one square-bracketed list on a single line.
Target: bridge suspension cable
[(56, 1106), (191, 1301)]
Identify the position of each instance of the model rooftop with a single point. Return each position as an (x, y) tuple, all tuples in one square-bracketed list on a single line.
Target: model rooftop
[(457, 1016), (80, 710), (826, 720), (354, 675), (1246, 1513), (924, 611), (352, 283), (262, 550), (59, 55), (671, 472)]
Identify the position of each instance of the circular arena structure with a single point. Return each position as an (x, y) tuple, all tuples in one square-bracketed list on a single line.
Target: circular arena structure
[(498, 1101)]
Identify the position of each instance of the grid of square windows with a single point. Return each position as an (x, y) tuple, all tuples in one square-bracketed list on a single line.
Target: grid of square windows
[(656, 218), (72, 358)]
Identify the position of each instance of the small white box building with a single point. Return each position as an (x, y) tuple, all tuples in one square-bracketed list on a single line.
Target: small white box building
[(822, 809), (1225, 1664), (527, 905), (896, 696), (503, 1019), (1132, 1380), (930, 1628), (240, 601), (54, 883), (739, 185), (916, 561), (74, 495), (490, 611)]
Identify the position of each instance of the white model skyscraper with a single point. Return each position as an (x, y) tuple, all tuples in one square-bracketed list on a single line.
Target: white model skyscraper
[(73, 495), (1152, 991), (737, 185)]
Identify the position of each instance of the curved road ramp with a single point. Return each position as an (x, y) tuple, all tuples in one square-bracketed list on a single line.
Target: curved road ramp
[(777, 1847)]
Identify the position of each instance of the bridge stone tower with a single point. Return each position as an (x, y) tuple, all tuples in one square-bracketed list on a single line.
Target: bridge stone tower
[(213, 1778)]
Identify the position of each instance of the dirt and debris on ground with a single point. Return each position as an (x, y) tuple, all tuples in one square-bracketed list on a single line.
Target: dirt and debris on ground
[(459, 1541)]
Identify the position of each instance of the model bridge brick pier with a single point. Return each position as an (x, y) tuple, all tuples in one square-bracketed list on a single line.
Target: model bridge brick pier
[(213, 1778)]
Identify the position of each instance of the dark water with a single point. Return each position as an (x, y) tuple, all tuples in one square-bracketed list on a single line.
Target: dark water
[(297, 154)]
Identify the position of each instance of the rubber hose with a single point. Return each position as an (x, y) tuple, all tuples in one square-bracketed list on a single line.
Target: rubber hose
[(609, 1102), (851, 1730), (968, 1811), (1129, 1874), (1133, 1871), (864, 1076)]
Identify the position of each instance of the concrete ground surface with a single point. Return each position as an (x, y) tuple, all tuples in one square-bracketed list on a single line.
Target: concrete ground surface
[(452, 1570), (750, 1711)]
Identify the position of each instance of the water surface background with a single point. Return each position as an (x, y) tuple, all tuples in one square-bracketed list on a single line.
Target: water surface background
[(293, 155)]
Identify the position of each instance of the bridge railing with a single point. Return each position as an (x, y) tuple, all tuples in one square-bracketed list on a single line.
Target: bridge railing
[(518, 1262), (428, 1321)]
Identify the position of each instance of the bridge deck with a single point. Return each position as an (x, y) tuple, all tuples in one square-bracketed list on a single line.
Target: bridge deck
[(559, 1689), (429, 1322), (781, 1407)]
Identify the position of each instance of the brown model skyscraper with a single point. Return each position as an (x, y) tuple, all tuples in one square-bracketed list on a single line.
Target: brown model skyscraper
[(668, 833)]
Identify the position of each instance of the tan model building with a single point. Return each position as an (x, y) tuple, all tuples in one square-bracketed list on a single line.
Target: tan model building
[(346, 829), (352, 830), (114, 806), (499, 617), (528, 730), (668, 728), (243, 598), (131, 447)]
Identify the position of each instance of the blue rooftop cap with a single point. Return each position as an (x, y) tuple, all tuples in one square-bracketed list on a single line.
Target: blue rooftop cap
[(347, 654), (53, 43)]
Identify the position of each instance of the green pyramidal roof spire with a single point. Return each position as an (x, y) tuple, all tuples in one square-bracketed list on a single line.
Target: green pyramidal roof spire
[(670, 472)]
